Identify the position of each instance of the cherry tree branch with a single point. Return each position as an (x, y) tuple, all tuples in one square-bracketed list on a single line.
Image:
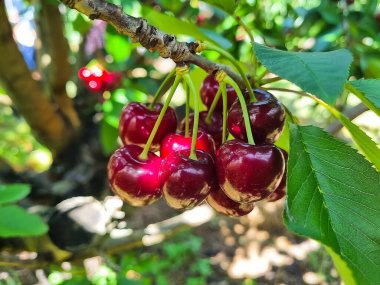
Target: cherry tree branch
[(57, 70), (352, 113), (147, 35), (26, 93)]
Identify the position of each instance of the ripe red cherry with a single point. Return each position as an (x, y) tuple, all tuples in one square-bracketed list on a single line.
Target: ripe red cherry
[(186, 182), (137, 121), (84, 73), (223, 204), (215, 128), (136, 181), (209, 89), (175, 142), (266, 115), (249, 173), (281, 189)]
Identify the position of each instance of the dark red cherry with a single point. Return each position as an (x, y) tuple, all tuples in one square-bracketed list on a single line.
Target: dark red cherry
[(281, 189), (185, 182), (137, 121), (136, 181), (209, 89), (215, 127), (112, 80), (249, 173), (175, 142), (266, 115), (223, 204)]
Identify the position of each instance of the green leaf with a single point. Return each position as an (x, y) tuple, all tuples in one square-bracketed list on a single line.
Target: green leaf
[(320, 73), (13, 192), (364, 142), (117, 45), (333, 196), (367, 90), (344, 271), (16, 222), (228, 6), (172, 25), (81, 24), (108, 137)]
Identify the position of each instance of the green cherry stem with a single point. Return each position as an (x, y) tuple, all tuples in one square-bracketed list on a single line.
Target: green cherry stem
[(187, 110), (227, 55), (247, 123), (159, 92), (144, 154), (213, 105), (223, 87), (190, 84)]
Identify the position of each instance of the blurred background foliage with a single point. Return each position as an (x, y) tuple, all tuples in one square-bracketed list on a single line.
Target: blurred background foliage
[(295, 25)]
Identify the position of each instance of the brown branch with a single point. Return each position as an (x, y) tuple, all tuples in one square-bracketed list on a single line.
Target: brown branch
[(26, 94), (54, 46), (352, 113), (147, 35)]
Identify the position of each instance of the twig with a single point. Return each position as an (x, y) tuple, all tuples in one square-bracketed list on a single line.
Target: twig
[(147, 35)]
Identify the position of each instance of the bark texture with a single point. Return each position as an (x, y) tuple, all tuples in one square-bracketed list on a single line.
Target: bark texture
[(26, 93), (147, 35)]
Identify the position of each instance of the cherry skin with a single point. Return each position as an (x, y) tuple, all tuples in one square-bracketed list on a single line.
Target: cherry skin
[(137, 121), (175, 142), (215, 128), (223, 204), (136, 181), (209, 89), (266, 115), (249, 173), (185, 182), (281, 189)]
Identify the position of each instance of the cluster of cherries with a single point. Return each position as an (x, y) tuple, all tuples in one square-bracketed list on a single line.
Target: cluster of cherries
[(230, 176), (98, 79)]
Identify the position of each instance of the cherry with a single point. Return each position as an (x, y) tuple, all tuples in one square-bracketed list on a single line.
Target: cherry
[(186, 182), (281, 189), (215, 128), (221, 203), (248, 173), (209, 89), (267, 118), (175, 142), (137, 121), (136, 181)]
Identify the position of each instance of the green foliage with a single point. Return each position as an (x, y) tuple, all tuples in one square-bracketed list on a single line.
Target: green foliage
[(117, 45), (13, 192), (176, 26), (313, 72), (367, 91), (333, 197), (364, 142), (16, 222), (228, 6)]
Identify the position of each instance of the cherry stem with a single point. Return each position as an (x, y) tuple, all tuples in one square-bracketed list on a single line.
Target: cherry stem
[(213, 105), (144, 154), (191, 86), (227, 55), (159, 92), (270, 80), (252, 39), (247, 123), (187, 110), (223, 87)]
